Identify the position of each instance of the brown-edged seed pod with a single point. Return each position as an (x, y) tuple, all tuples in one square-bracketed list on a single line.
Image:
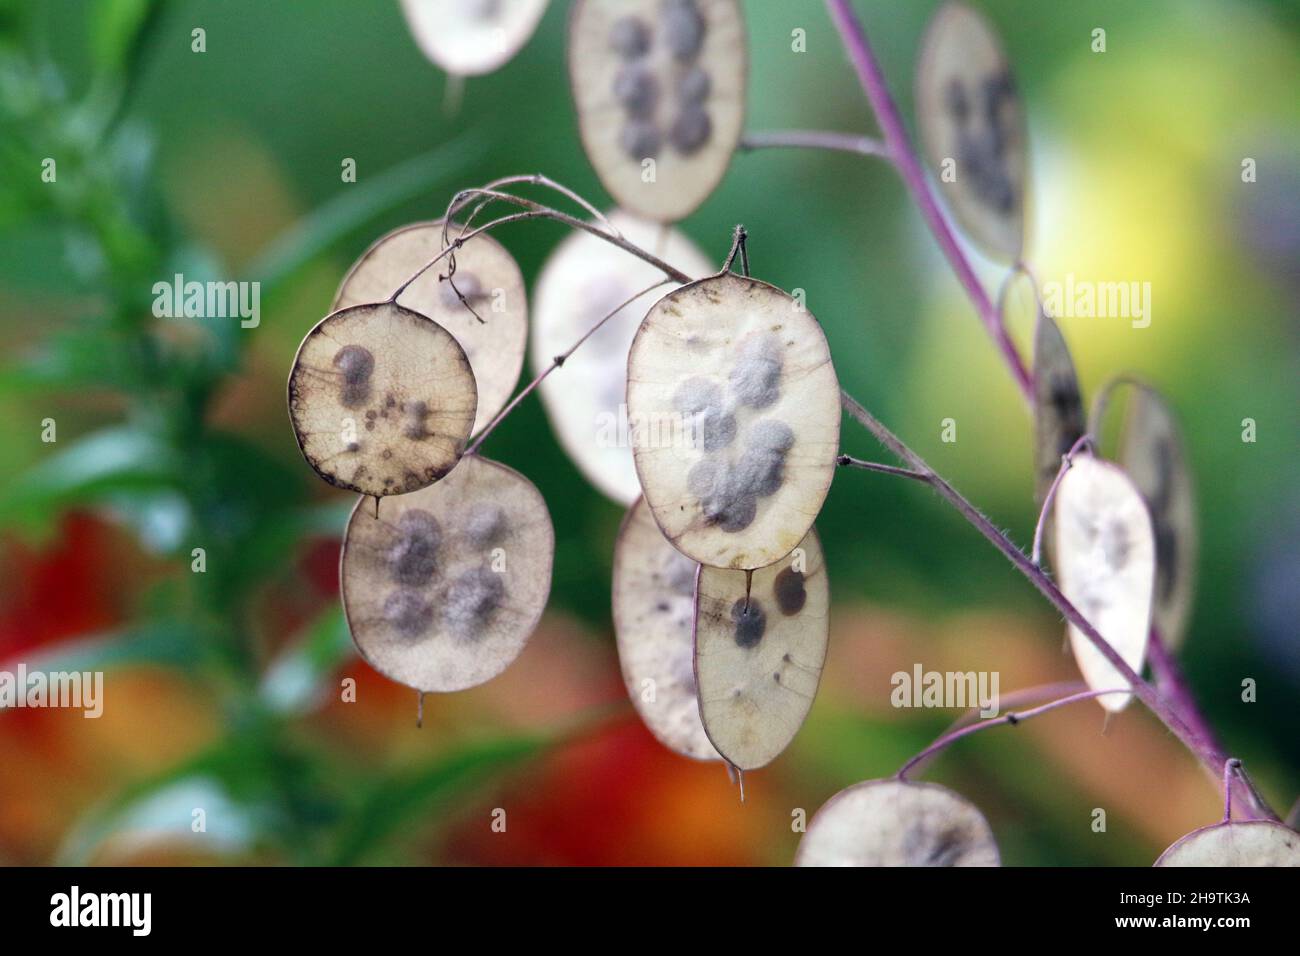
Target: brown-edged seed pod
[(1105, 561), (735, 411), (659, 87), (382, 399), (483, 304), (1248, 843), (654, 612), (1058, 404), (583, 280), (444, 588), (897, 823), (760, 645), (472, 37), (973, 128), (1151, 452)]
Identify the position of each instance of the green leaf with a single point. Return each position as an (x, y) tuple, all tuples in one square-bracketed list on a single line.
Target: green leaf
[(295, 681), (160, 642), (114, 29)]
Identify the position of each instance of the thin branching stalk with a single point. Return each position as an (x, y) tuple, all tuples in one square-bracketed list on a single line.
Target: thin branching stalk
[(816, 139)]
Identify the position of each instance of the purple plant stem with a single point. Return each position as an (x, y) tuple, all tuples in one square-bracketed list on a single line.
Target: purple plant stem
[(1036, 552), (902, 154)]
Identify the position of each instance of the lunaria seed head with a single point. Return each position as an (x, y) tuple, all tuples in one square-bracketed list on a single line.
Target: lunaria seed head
[(472, 37), (381, 399), (654, 591), (491, 324), (759, 650), (897, 823), (443, 589), (731, 387), (1245, 843)]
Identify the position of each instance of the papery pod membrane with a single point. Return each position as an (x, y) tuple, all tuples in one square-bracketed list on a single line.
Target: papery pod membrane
[(736, 415), (472, 37), (491, 323), (1246, 843), (897, 823), (443, 589), (972, 124), (659, 88), (582, 281), (381, 399), (654, 616), (1059, 419), (760, 646), (1105, 562)]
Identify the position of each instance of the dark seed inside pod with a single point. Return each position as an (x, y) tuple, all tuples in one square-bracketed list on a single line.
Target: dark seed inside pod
[(637, 89), (694, 85), (749, 621), (691, 129), (640, 139), (485, 525), (955, 100), (417, 414), (683, 28), (408, 612), (790, 591), (413, 557), (481, 9), (755, 378), (709, 425), (471, 599), (357, 365), (629, 37)]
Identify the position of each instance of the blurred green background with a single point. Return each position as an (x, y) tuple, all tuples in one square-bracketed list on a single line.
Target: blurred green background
[(222, 688)]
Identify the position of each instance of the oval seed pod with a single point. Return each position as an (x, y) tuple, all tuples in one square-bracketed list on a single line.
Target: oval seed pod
[(1248, 843), (654, 613), (897, 823), (444, 588), (382, 399), (973, 128), (659, 87), (1105, 560), (472, 37), (1058, 404), (759, 656), (583, 280), (736, 415), (491, 324)]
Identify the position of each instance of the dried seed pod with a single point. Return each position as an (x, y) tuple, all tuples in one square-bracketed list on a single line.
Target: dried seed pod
[(1151, 452), (444, 588), (736, 415), (382, 399), (897, 823), (483, 304), (654, 613), (973, 128), (1058, 404), (584, 280), (472, 37), (1249, 843), (659, 87), (1105, 559), (759, 650)]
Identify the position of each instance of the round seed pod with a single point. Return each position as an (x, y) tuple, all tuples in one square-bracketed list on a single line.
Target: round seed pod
[(735, 409), (659, 87), (491, 324), (897, 823), (1105, 561), (973, 123), (381, 399), (759, 656), (1248, 843), (583, 280), (1058, 404), (472, 37), (444, 588), (654, 612)]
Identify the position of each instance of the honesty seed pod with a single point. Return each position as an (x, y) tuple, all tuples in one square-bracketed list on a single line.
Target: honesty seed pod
[(471, 37), (483, 304), (444, 588), (1058, 404), (973, 128), (583, 280), (897, 823), (659, 87), (1248, 843), (654, 611), (1105, 560), (736, 415), (760, 645), (382, 399)]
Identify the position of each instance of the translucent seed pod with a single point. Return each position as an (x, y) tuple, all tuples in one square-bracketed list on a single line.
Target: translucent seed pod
[(472, 37), (1246, 843)]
